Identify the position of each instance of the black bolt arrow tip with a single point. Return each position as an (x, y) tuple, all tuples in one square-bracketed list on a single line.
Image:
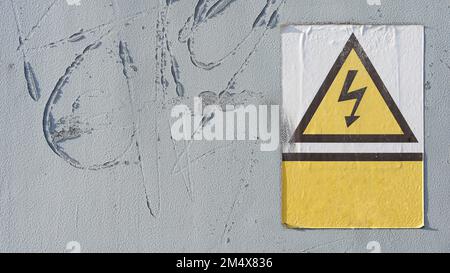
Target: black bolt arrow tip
[(350, 120)]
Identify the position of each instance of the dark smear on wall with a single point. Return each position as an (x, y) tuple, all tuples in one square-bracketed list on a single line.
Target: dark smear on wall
[(30, 76), (32, 82), (129, 69), (175, 69), (76, 37), (164, 54), (204, 11)]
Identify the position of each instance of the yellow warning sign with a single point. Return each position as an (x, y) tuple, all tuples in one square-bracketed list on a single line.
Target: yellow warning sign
[(353, 105), (328, 182)]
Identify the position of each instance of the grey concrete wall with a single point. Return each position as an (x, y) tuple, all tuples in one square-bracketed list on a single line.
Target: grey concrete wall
[(86, 153)]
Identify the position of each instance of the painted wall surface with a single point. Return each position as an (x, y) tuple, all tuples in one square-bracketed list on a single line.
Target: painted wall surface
[(86, 152)]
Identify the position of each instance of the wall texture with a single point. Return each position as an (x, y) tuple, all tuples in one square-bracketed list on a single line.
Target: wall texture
[(86, 154)]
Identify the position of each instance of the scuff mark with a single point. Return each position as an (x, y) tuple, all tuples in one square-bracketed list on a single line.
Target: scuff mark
[(76, 37), (274, 19), (164, 52), (163, 56), (49, 125), (29, 74), (69, 128), (32, 81), (176, 77), (129, 71), (205, 11), (427, 85), (72, 127)]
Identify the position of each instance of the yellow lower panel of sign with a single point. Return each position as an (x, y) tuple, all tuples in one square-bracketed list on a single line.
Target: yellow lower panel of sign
[(381, 194)]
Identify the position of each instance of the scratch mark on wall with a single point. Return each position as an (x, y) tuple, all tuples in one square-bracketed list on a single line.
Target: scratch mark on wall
[(32, 81), (76, 37), (30, 76), (163, 57), (206, 10), (57, 132), (129, 71), (175, 68), (164, 54)]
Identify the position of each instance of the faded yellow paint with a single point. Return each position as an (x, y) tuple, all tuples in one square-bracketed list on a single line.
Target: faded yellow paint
[(375, 116), (353, 194)]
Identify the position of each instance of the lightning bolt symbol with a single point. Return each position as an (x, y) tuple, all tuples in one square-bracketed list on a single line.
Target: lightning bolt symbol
[(353, 95)]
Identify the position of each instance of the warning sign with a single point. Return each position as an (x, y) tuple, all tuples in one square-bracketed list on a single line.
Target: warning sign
[(353, 105), (353, 121)]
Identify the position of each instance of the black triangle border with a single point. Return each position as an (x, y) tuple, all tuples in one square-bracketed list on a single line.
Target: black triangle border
[(353, 43)]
